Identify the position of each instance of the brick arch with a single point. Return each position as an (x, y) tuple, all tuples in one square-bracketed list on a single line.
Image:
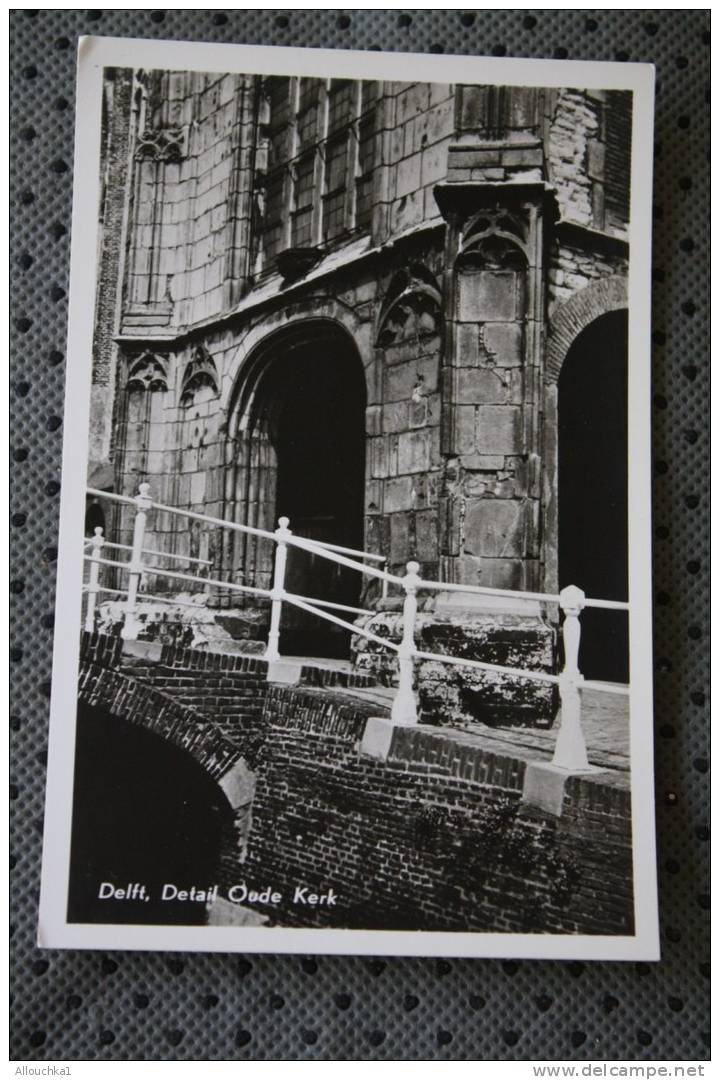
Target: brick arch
[(131, 701), (572, 317)]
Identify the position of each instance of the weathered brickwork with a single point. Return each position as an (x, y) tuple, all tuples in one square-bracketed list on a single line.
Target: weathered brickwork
[(436, 837), (434, 247), (211, 705)]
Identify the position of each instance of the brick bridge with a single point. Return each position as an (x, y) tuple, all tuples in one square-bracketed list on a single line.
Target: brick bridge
[(431, 828)]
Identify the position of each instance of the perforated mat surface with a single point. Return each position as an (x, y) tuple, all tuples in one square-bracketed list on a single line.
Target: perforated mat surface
[(86, 1005)]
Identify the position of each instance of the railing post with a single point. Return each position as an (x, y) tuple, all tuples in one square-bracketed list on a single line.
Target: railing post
[(570, 749), (93, 587), (272, 653), (404, 707), (385, 580), (143, 502)]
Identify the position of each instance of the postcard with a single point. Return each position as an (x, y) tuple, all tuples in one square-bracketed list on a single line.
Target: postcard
[(353, 632)]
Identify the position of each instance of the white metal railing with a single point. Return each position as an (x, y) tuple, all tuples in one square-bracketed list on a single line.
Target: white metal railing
[(570, 748)]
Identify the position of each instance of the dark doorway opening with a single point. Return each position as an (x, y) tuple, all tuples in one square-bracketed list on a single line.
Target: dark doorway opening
[(143, 812), (94, 517), (314, 400), (593, 490)]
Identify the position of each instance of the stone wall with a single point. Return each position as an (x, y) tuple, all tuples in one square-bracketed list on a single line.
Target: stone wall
[(488, 217), (192, 164), (418, 122)]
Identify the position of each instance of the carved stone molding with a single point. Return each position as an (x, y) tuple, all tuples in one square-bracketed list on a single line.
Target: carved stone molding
[(200, 372), (161, 144), (412, 307), (147, 372)]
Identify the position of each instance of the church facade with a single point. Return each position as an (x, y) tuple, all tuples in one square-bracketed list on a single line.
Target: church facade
[(393, 312)]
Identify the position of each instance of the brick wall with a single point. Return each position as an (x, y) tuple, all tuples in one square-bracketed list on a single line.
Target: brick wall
[(221, 697), (436, 837)]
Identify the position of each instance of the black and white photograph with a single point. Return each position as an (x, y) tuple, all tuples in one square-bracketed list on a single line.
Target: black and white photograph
[(353, 640)]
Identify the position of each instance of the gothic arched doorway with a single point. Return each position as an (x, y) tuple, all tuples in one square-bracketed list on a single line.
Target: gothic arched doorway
[(592, 488), (302, 456)]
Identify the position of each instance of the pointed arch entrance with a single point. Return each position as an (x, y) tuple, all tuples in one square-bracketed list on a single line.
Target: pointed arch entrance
[(593, 487), (299, 452)]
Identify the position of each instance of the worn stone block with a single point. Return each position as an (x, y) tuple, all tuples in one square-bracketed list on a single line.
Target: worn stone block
[(378, 454), (439, 121), (413, 451), (411, 101), (434, 164), (467, 344), (485, 295), (498, 429), (494, 528), (465, 429), (373, 497), (488, 386), (408, 175), (529, 156), (398, 494), (400, 550), (401, 379), (395, 417), (407, 211), (523, 107), (198, 487), (419, 412), (426, 538)]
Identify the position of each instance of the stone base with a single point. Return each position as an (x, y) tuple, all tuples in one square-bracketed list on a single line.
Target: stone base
[(453, 696), (544, 786), (192, 623), (284, 671)]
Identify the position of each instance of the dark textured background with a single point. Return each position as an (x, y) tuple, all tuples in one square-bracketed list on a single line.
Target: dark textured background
[(123, 1005)]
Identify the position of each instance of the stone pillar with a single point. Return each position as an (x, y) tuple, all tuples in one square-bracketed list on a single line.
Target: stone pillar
[(491, 381), (499, 212), (241, 209)]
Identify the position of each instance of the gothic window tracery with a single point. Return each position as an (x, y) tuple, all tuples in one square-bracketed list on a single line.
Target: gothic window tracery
[(494, 239), (200, 380), (147, 372), (412, 307)]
